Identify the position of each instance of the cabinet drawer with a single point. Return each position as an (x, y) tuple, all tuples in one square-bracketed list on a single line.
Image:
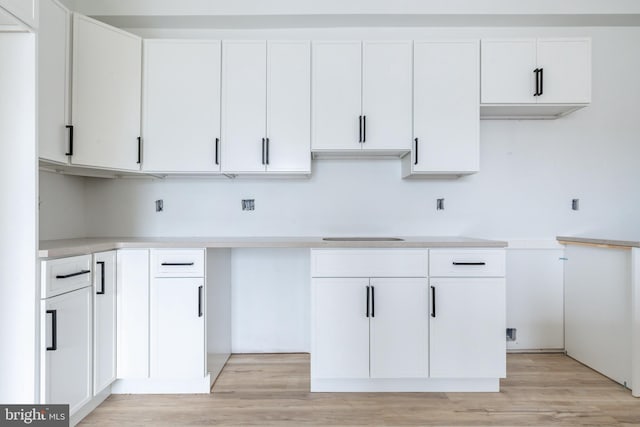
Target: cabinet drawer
[(177, 262), (467, 263), (369, 262), (65, 274)]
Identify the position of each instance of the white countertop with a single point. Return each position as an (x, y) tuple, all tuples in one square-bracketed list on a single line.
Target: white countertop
[(71, 247), (599, 241)]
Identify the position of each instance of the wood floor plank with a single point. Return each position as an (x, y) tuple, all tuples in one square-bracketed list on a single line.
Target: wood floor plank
[(273, 390)]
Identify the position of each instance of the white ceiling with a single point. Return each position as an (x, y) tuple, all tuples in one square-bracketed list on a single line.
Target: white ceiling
[(361, 13)]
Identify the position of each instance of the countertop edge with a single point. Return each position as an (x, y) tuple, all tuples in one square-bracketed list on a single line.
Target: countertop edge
[(84, 247), (598, 242)]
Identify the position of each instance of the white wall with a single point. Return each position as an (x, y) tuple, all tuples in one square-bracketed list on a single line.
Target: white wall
[(62, 206)]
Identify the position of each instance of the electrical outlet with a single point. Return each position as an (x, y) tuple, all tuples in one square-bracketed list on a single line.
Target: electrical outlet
[(575, 204), (159, 205), (248, 204), (440, 204), (511, 334)]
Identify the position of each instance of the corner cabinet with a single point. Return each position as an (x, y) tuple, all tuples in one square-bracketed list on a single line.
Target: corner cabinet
[(107, 66), (380, 324), (181, 106), (361, 98), (446, 118), (265, 107), (535, 78)]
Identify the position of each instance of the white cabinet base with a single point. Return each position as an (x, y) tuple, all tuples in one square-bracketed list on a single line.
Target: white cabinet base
[(386, 385), (162, 386)]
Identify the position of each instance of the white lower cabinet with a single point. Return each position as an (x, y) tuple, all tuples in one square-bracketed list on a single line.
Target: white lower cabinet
[(161, 321), (104, 320), (399, 328), (340, 337), (405, 331), (467, 328), (66, 353), (177, 328)]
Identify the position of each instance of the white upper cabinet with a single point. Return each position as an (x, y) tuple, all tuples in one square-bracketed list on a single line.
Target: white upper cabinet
[(288, 107), (265, 107), (386, 95), (535, 78), (54, 45), (336, 91), (446, 105), (361, 97), (181, 106), (107, 66)]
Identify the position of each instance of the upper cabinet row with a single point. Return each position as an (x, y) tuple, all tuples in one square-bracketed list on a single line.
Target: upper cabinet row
[(109, 100)]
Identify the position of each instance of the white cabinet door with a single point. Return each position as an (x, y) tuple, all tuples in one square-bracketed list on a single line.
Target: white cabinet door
[(340, 328), (399, 328), (133, 313), (177, 328), (104, 323), (386, 95), (566, 65), (508, 71), (66, 349), (54, 46), (106, 95), (336, 95), (181, 106), (467, 328), (243, 106), (446, 107), (288, 106)]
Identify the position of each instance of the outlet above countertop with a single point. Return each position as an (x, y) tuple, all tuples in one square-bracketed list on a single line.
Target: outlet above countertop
[(71, 247)]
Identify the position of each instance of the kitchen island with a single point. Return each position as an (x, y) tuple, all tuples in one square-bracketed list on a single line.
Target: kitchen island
[(602, 306)]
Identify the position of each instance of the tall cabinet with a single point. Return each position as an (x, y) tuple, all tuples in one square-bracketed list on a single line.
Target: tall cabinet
[(107, 66), (265, 107), (181, 106)]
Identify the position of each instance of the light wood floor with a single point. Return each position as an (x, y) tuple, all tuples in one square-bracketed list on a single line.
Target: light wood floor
[(540, 389)]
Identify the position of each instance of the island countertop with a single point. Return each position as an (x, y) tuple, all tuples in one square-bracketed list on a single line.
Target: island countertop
[(598, 241), (72, 247)]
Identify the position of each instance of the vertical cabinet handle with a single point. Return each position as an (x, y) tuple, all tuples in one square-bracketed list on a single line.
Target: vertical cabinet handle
[(54, 330), (364, 129), (139, 150), (70, 152), (217, 151), (537, 77), (101, 291), (267, 155), (433, 301), (415, 151), (367, 301), (373, 302), (200, 289), (541, 74), (263, 151), (360, 131)]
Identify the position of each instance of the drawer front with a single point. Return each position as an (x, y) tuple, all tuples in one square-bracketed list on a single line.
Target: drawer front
[(467, 263), (177, 262), (65, 275), (369, 262)]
